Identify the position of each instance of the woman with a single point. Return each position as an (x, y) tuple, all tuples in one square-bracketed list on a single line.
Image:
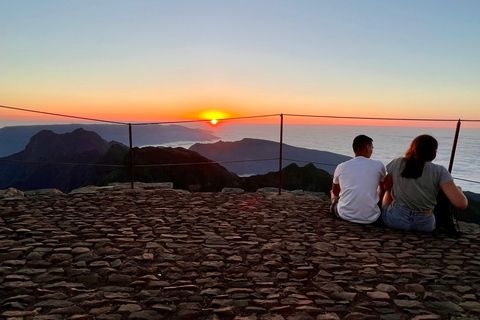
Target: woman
[(412, 186)]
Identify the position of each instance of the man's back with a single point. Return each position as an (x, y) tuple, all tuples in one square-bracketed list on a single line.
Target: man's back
[(359, 179)]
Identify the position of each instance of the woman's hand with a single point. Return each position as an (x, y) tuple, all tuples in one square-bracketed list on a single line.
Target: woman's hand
[(455, 195)]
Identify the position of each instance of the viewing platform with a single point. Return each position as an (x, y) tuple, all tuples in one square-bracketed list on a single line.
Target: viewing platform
[(151, 253)]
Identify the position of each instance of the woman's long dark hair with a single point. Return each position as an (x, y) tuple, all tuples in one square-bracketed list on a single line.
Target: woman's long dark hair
[(422, 149)]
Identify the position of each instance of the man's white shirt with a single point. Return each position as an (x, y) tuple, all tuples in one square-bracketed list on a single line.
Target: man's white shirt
[(358, 179)]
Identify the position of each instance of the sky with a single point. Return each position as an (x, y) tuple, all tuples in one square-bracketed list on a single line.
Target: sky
[(157, 60)]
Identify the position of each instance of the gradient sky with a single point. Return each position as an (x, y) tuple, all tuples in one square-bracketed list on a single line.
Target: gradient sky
[(165, 60)]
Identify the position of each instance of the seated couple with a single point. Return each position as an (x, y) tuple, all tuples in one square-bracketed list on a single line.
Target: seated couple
[(363, 192)]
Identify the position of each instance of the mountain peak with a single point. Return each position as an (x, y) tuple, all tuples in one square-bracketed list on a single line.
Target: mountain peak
[(47, 144)]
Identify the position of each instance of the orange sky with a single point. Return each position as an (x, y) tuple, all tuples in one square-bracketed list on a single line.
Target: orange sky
[(140, 62)]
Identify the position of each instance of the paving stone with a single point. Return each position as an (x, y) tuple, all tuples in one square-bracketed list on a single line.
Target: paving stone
[(470, 305), (386, 288), (414, 287), (129, 308), (445, 308), (378, 295), (145, 315), (328, 316)]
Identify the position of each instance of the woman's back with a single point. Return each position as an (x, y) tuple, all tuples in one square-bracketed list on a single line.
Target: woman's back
[(418, 194)]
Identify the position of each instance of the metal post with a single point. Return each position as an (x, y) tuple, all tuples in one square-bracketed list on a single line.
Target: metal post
[(131, 155), (454, 147), (280, 157)]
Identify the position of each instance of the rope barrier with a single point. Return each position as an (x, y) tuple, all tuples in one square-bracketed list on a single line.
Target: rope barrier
[(319, 163), (237, 118), (371, 118), (180, 164), (473, 181), (135, 166), (207, 120), (62, 115), (200, 163), (63, 163)]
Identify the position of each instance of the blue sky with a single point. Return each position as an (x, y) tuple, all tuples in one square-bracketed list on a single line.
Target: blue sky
[(170, 59)]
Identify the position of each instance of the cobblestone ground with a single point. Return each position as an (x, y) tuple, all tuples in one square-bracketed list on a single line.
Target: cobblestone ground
[(168, 254)]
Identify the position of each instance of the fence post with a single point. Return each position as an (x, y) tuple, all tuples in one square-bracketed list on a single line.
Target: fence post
[(280, 157), (454, 147), (131, 155)]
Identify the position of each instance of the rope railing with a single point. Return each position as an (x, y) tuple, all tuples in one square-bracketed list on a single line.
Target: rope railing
[(372, 118), (180, 164), (61, 115), (63, 163), (201, 163), (312, 162), (204, 120), (239, 118), (132, 166), (467, 180)]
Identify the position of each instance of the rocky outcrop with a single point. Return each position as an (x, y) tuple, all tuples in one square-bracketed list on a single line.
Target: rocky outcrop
[(11, 193), (172, 254)]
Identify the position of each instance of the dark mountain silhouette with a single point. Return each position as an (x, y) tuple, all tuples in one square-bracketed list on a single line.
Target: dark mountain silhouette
[(186, 169), (163, 164), (77, 147), (252, 149), (168, 165), (14, 139)]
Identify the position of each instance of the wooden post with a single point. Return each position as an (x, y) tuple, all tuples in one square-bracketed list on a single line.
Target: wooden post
[(132, 178), (280, 157), (454, 147)]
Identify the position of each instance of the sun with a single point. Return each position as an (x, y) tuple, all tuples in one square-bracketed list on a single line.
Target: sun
[(214, 121)]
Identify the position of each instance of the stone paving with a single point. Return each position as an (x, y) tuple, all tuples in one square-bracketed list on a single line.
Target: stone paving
[(170, 254)]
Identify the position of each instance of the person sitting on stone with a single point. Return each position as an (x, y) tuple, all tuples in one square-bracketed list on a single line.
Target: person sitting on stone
[(358, 185), (412, 186)]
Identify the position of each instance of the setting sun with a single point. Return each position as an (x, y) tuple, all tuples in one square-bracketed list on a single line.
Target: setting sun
[(213, 121), (214, 115)]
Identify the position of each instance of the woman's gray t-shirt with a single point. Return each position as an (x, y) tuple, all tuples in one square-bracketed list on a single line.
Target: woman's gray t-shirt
[(418, 194)]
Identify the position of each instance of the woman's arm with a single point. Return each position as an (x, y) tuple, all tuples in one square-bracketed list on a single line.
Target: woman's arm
[(335, 192), (455, 195), (387, 185)]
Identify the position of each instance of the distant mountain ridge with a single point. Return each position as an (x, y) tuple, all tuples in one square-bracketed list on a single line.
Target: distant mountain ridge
[(252, 149), (77, 147), (186, 169), (14, 139)]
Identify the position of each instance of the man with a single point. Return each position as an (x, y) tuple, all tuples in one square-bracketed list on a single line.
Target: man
[(358, 185)]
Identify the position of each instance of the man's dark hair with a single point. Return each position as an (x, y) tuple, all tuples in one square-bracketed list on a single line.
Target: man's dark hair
[(360, 142)]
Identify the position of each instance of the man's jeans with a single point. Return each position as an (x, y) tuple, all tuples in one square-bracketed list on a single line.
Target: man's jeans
[(398, 217)]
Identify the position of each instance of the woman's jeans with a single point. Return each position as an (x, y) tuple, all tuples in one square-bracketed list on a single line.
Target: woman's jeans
[(398, 217)]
